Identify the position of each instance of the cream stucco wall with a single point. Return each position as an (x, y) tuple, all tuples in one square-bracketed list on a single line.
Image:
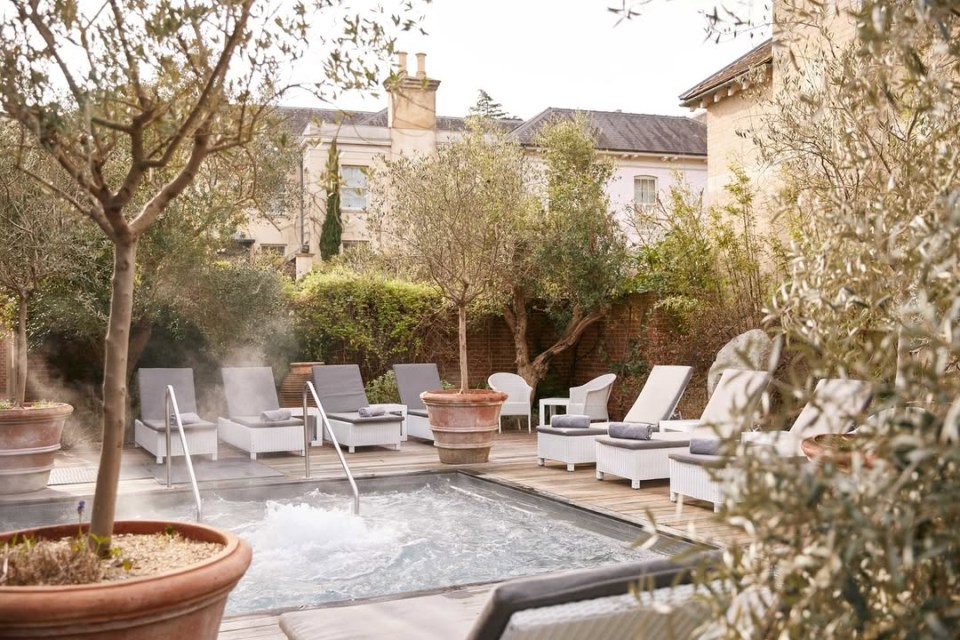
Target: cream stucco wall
[(732, 124), (668, 171)]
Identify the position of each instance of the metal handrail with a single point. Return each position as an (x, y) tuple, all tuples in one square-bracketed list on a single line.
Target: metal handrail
[(308, 388), (170, 398)]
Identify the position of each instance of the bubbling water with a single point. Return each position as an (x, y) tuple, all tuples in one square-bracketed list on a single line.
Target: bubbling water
[(312, 549)]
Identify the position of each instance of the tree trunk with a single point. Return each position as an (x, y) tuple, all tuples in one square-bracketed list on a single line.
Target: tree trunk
[(114, 392), (462, 333), (534, 370), (140, 334), (20, 348)]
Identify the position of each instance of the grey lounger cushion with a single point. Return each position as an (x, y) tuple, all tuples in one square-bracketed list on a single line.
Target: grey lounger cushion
[(152, 385), (158, 425), (340, 388), (249, 390), (573, 433), (414, 379), (628, 443), (422, 413), (355, 418), (700, 459), (256, 423), (573, 586)]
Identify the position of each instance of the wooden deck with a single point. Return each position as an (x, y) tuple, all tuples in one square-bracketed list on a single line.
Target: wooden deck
[(512, 460)]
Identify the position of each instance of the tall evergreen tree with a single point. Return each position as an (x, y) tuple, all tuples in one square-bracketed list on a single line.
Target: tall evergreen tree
[(332, 223), (487, 107)]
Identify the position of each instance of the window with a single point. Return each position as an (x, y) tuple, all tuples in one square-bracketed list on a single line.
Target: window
[(645, 192), (353, 189)]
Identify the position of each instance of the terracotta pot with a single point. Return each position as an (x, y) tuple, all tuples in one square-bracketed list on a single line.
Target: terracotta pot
[(291, 389), (180, 604), (463, 424), (835, 447), (29, 441)]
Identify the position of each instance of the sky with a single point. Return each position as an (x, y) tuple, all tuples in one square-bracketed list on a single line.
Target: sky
[(533, 54)]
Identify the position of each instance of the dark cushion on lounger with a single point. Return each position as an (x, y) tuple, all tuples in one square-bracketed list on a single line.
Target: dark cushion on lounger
[(158, 425), (422, 413), (700, 459), (414, 379), (573, 586), (356, 418), (254, 422), (627, 443), (592, 431), (339, 387)]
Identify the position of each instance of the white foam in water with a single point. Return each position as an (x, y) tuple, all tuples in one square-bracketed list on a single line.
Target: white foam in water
[(313, 549)]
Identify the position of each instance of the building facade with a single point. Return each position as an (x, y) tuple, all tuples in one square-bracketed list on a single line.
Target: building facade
[(650, 153)]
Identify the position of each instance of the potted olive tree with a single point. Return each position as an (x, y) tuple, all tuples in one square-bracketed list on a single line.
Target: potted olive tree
[(131, 99), (38, 243), (455, 217)]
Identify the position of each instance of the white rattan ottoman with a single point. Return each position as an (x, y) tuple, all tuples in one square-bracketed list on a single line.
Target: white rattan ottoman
[(570, 446), (638, 460)]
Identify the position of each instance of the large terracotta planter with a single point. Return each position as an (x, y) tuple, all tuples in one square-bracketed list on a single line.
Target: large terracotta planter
[(291, 389), (29, 441), (179, 604), (837, 448), (463, 424)]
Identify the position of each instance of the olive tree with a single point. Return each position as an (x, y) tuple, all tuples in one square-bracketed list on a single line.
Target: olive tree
[(865, 134), (40, 241), (455, 216), (160, 86), (574, 250)]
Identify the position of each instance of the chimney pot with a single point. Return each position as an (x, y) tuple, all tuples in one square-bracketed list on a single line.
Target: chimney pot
[(421, 65), (401, 63)]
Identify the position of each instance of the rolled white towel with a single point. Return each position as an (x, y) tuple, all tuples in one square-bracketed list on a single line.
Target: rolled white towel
[(371, 411), (275, 415), (187, 417)]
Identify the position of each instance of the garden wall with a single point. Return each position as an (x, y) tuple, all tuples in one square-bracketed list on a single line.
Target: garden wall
[(628, 342)]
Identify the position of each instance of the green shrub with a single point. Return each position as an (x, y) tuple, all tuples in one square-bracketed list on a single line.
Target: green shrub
[(383, 389), (343, 316)]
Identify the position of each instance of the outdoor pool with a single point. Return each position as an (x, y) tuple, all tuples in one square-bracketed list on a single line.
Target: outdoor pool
[(414, 533)]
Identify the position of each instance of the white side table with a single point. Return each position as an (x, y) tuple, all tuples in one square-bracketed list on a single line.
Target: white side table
[(392, 407), (314, 413), (553, 403)]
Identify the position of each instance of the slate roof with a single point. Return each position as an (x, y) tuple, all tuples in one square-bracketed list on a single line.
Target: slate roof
[(630, 132), (759, 55), (623, 132)]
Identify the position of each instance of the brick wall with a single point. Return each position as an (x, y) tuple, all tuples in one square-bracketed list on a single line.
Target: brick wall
[(630, 335)]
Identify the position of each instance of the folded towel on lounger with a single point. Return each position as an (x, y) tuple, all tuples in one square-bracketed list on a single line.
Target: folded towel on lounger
[(185, 418), (705, 446), (570, 421), (275, 415), (371, 411), (631, 430)]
